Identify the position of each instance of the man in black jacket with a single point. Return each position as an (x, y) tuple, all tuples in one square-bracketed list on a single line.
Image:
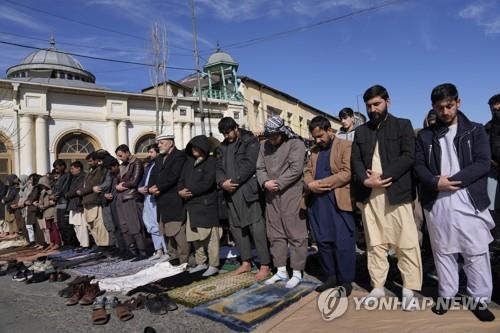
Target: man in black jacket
[(236, 165), (452, 163), (170, 208), (383, 154), (493, 130), (75, 207)]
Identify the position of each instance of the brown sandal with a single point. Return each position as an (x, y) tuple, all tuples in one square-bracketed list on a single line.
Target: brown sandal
[(99, 314), (135, 303), (123, 312)]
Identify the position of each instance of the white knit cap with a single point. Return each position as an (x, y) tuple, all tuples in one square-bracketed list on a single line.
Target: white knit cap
[(165, 136)]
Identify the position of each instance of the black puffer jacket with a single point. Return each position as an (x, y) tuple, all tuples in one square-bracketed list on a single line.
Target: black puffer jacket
[(198, 176)]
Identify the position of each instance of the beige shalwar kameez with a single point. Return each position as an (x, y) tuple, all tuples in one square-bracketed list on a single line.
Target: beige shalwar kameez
[(389, 226)]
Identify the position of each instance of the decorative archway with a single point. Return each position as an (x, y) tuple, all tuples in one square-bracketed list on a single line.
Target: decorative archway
[(75, 147), (6, 157), (141, 146)]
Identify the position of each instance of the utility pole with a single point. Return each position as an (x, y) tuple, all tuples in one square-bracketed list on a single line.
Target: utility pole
[(198, 71)]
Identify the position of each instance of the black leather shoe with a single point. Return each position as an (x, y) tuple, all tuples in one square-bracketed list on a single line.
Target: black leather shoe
[(331, 282), (167, 303)]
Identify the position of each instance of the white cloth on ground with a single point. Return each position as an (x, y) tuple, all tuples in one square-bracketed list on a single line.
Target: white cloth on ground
[(126, 283)]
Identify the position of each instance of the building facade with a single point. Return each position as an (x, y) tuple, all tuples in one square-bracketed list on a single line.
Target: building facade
[(50, 108), (220, 80)]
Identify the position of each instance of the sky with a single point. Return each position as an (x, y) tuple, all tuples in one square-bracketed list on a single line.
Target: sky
[(409, 46)]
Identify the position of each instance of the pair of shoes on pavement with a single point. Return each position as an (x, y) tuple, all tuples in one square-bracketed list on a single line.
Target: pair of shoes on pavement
[(160, 304)]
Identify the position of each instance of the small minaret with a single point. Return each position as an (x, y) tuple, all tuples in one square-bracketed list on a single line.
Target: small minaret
[(222, 65)]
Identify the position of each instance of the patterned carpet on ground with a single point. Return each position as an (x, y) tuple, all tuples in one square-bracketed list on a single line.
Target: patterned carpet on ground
[(204, 291), (245, 309)]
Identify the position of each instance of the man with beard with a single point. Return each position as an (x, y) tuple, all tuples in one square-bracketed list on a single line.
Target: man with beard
[(92, 201), (279, 171), (163, 182), (452, 163), (129, 202), (327, 176), (236, 164), (383, 154)]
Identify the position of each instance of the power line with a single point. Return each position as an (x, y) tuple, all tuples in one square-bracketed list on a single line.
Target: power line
[(300, 29), (112, 49), (84, 23), (119, 70), (95, 58)]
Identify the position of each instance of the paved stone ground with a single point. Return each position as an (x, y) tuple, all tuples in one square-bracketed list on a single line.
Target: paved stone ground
[(36, 308)]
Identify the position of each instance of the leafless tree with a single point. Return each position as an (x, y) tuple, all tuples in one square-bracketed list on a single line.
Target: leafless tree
[(158, 70), (8, 127)]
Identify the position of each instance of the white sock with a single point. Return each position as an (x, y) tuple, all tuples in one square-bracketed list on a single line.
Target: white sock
[(295, 280), (408, 293), (408, 303), (375, 293), (280, 275)]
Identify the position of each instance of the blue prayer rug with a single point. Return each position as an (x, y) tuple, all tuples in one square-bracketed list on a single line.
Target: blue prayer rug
[(245, 309)]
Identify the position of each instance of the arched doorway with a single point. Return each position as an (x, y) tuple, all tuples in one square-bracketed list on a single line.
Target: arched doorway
[(6, 157), (141, 147), (75, 147)]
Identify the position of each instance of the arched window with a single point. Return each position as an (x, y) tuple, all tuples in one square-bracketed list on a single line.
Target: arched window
[(6, 158), (141, 147), (75, 147)]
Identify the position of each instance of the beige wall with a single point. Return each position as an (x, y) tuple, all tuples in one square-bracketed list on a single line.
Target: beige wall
[(258, 100)]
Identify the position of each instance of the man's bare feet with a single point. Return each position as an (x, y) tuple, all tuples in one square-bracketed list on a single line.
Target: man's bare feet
[(244, 267), (263, 273)]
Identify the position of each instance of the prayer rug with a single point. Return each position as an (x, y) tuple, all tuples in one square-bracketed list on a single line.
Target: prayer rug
[(14, 243), (244, 310), (69, 254), (169, 283), (115, 268), (221, 285)]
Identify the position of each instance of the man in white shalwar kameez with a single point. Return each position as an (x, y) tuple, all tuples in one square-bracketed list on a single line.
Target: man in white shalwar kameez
[(452, 163)]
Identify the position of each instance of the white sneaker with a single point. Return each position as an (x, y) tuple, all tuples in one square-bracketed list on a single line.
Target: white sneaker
[(211, 271), (156, 256), (197, 268), (276, 278)]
